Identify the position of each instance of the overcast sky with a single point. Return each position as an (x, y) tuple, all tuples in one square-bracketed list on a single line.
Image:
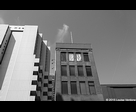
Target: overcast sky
[(111, 33)]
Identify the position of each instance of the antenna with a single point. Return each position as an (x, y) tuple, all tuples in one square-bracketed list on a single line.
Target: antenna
[(71, 37)]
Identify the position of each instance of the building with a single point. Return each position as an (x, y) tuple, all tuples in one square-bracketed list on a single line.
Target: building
[(119, 92), (24, 63), (76, 73)]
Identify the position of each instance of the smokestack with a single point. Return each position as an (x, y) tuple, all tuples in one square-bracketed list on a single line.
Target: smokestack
[(71, 37)]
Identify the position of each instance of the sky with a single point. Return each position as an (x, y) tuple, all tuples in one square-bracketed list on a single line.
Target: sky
[(112, 34)]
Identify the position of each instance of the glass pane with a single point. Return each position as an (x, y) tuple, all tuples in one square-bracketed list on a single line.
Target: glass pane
[(72, 70), (88, 71), (91, 87), (78, 56), (63, 70), (83, 88), (71, 56), (63, 56), (64, 87), (73, 87), (80, 70), (86, 57)]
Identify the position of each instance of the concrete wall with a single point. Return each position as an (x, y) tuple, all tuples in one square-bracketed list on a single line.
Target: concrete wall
[(18, 66)]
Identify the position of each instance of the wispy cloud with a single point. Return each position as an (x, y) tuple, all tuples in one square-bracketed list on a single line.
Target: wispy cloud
[(62, 33)]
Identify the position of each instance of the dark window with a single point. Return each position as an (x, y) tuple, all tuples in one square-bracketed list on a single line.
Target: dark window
[(34, 82), (45, 85), (63, 70), (37, 98), (73, 87), (49, 89), (82, 87), (45, 93), (36, 64), (45, 77), (80, 70), (64, 87), (50, 82), (35, 72), (72, 70), (91, 87), (86, 57), (49, 97), (38, 88), (88, 71), (63, 56), (32, 93)]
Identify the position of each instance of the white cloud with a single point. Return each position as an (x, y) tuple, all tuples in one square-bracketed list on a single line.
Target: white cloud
[(62, 33)]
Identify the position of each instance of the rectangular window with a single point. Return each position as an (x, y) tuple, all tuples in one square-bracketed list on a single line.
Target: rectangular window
[(63, 56), (78, 57), (91, 87), (72, 70), (83, 87), (64, 87), (63, 70), (86, 57), (71, 57), (80, 70), (73, 87), (88, 71)]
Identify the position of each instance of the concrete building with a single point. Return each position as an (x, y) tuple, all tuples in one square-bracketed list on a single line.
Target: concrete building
[(76, 73), (119, 92), (24, 63)]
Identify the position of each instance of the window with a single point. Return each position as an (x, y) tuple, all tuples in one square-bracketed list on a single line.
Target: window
[(49, 89), (88, 71), (63, 70), (45, 93), (49, 97), (80, 70), (36, 64), (82, 87), (73, 87), (50, 82), (64, 87), (78, 57), (91, 87), (72, 70), (71, 56), (32, 93), (45, 77), (63, 56), (45, 85), (86, 57)]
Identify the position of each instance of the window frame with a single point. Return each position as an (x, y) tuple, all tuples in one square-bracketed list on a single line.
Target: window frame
[(79, 70), (72, 71), (86, 59), (73, 86), (64, 71), (63, 59), (88, 71), (64, 87)]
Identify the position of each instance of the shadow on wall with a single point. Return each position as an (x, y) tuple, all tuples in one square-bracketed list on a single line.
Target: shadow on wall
[(6, 59), (60, 98)]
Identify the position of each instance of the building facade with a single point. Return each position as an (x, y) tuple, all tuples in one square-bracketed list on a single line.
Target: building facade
[(24, 63), (119, 92), (76, 73)]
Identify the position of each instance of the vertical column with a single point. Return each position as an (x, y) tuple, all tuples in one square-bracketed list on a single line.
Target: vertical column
[(58, 72)]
